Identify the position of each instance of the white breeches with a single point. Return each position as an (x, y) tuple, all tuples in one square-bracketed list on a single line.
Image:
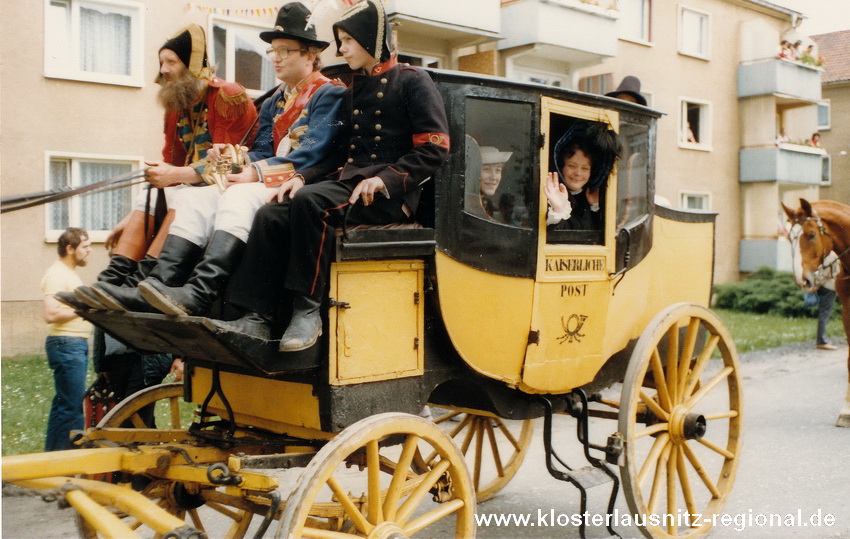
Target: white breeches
[(170, 196), (202, 210)]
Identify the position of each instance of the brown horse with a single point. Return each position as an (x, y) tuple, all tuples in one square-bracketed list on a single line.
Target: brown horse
[(816, 229)]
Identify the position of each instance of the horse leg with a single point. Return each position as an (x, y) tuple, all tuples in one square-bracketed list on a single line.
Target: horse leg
[(842, 286)]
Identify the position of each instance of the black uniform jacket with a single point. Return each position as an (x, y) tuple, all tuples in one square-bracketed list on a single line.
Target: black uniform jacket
[(395, 128)]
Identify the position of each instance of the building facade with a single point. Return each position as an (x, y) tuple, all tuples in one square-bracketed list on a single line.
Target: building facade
[(79, 102), (834, 113)]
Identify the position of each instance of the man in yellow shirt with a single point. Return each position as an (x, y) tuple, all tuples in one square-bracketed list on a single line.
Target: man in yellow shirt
[(67, 340)]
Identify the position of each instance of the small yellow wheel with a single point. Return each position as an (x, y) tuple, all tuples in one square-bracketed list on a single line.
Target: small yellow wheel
[(680, 415), (129, 408), (371, 481), (499, 449)]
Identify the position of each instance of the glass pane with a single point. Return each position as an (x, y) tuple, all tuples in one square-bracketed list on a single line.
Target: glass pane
[(104, 42), (60, 176), (823, 115), (498, 184), (103, 210), (633, 19), (633, 174), (693, 33), (253, 69), (220, 51)]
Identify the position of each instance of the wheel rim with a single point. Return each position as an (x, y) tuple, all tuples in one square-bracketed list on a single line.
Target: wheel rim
[(342, 492), (129, 408), (494, 448), (681, 413)]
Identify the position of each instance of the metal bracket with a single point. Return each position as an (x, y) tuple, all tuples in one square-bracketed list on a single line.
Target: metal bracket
[(341, 304)]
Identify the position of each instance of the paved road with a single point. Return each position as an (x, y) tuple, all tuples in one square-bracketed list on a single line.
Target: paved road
[(794, 459)]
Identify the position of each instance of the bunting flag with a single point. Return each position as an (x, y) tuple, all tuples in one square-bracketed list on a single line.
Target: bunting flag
[(237, 12)]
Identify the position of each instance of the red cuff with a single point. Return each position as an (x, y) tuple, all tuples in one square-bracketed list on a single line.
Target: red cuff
[(440, 139)]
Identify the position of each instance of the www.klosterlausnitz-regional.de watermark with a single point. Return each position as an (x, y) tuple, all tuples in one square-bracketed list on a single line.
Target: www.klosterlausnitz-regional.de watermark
[(736, 521)]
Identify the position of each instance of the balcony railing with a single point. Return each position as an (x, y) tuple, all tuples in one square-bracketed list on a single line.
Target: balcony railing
[(445, 20), (787, 163), (775, 76), (568, 30)]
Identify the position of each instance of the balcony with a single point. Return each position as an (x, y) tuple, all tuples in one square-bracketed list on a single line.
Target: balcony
[(443, 20), (568, 31), (789, 81), (787, 163), (771, 252)]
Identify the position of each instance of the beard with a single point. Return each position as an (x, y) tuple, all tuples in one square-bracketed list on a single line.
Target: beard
[(179, 92)]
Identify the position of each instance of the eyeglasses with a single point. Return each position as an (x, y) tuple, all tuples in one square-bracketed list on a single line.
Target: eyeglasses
[(280, 52)]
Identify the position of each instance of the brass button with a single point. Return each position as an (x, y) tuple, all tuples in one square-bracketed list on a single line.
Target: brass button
[(356, 126), (377, 127), (353, 147), (384, 80), (350, 159), (380, 95), (373, 156), (377, 113), (377, 139), (356, 112)]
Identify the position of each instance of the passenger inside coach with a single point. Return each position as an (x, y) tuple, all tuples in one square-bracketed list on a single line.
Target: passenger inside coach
[(584, 157)]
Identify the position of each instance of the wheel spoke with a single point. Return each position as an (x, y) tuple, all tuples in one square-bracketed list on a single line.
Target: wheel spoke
[(660, 381), (671, 490), (702, 361), (174, 408), (360, 522), (217, 507), (652, 429), (317, 533), (432, 516), (704, 390), (685, 482), (400, 476), (673, 364), (695, 462), (656, 480), (497, 459), (653, 405), (446, 417), (729, 414), (467, 439), (196, 519), (508, 435), (652, 458), (687, 354), (416, 496), (137, 421), (373, 466), (716, 448), (479, 452)]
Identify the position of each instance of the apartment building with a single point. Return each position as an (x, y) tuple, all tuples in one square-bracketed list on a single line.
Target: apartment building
[(79, 103), (833, 113)]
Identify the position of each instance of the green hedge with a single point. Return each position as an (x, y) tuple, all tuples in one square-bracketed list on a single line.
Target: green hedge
[(766, 291)]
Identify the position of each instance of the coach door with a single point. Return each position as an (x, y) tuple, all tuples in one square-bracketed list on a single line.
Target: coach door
[(572, 281)]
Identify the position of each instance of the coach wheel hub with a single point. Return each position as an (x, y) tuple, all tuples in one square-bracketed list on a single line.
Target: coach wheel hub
[(685, 425), (387, 530)]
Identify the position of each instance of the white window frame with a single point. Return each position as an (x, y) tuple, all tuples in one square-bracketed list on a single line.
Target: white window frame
[(646, 24), (52, 235), (704, 195), (828, 105), (230, 48), (67, 68), (705, 127), (525, 74), (705, 53)]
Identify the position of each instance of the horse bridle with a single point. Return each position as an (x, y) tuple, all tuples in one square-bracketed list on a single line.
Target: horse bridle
[(822, 231)]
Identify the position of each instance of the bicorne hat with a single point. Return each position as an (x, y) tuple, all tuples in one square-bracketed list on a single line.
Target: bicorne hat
[(190, 45), (367, 23), (630, 85), (291, 23)]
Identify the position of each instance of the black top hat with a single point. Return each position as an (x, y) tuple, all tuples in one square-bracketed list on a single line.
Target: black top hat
[(367, 23), (630, 85), (291, 23)]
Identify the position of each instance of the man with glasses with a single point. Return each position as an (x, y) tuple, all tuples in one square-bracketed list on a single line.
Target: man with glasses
[(297, 126)]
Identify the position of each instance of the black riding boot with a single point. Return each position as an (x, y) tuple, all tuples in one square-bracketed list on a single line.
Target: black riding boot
[(306, 325), (119, 268), (145, 267), (252, 325), (173, 266), (71, 300), (206, 283)]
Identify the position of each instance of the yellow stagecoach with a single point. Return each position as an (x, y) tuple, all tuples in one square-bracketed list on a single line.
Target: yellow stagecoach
[(480, 312)]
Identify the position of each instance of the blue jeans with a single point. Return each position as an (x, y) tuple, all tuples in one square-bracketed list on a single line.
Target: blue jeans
[(69, 359), (826, 301)]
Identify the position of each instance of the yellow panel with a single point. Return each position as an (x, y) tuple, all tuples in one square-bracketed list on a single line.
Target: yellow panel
[(487, 317), (275, 401), (379, 334)]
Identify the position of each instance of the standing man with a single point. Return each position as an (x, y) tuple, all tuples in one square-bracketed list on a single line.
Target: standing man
[(298, 125), (200, 110), (395, 138), (67, 340)]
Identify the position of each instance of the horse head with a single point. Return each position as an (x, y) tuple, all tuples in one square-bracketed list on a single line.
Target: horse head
[(810, 243)]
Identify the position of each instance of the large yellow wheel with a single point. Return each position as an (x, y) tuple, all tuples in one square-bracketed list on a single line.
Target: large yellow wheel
[(680, 415), (371, 481), (497, 452)]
